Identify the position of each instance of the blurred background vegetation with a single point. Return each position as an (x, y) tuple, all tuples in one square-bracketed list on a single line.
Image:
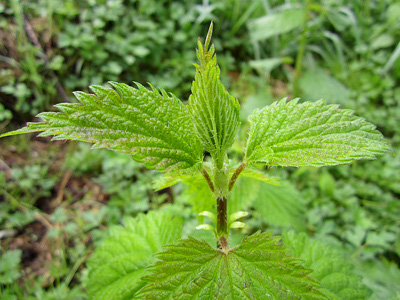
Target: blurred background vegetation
[(58, 199)]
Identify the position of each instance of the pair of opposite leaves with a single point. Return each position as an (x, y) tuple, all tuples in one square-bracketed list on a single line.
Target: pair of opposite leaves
[(157, 129)]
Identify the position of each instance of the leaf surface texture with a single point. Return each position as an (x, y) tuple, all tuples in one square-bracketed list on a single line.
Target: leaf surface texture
[(331, 268), (118, 264), (258, 268), (214, 112), (154, 128), (310, 134)]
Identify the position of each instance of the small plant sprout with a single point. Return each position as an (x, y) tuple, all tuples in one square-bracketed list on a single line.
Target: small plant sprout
[(154, 127)]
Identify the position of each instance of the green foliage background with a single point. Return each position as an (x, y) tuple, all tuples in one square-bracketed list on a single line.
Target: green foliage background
[(350, 57)]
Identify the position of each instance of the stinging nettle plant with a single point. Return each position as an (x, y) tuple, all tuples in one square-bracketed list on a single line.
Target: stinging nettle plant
[(155, 128)]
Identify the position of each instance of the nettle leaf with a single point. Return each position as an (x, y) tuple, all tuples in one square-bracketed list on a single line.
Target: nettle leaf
[(280, 205), (116, 266), (310, 134), (259, 268), (154, 128), (214, 112), (331, 268)]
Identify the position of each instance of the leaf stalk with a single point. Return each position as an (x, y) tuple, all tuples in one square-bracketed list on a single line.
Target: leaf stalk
[(236, 175), (208, 179)]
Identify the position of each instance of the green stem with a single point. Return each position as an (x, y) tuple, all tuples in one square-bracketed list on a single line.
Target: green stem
[(221, 182), (221, 192), (300, 54)]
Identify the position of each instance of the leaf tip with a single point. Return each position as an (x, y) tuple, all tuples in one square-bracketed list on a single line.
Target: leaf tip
[(209, 35)]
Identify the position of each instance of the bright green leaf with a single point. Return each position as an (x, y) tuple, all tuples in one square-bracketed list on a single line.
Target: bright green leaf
[(209, 215), (153, 128), (214, 112), (310, 134), (259, 268), (205, 227), (118, 264), (237, 215), (237, 225), (331, 268)]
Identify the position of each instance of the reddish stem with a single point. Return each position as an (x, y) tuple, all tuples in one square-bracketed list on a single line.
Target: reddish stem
[(208, 179), (236, 175)]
